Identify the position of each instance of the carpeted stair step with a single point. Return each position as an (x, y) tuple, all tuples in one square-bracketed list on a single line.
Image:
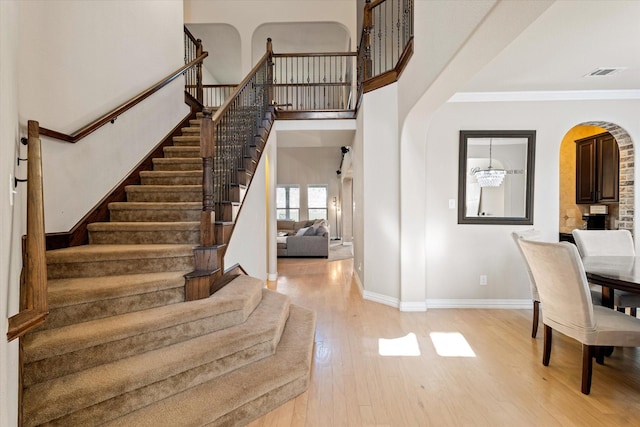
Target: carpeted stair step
[(177, 164), (125, 233), (111, 260), (171, 177), (195, 122), (155, 211), (182, 151), (164, 193), (58, 352), (242, 395), (190, 131), (88, 298), (186, 140), (105, 392)]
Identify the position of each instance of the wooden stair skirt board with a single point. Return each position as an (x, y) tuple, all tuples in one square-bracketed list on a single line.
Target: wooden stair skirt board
[(124, 345)]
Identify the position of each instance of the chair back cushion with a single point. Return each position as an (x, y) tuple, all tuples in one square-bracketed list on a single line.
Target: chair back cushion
[(528, 235), (562, 283), (604, 242)]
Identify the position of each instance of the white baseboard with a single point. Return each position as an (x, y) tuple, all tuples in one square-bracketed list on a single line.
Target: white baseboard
[(413, 306), (514, 304), (381, 299)]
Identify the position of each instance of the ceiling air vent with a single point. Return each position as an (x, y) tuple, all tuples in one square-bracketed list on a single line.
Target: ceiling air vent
[(604, 71)]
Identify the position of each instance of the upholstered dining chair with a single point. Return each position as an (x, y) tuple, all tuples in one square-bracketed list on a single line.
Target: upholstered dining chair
[(609, 243), (534, 235), (567, 308)]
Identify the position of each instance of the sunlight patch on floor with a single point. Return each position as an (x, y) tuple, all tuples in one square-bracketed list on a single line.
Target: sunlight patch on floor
[(451, 344), (403, 346)]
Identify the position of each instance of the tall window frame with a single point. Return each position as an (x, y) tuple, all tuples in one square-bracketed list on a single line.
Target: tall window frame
[(288, 202), (317, 201)]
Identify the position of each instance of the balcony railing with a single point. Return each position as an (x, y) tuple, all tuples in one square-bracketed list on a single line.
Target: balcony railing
[(314, 82)]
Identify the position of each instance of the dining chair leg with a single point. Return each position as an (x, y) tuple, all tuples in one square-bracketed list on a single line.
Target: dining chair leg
[(599, 353), (546, 355), (587, 367), (536, 318), (633, 312)]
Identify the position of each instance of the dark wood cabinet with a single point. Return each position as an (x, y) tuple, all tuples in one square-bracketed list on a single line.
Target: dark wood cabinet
[(597, 169)]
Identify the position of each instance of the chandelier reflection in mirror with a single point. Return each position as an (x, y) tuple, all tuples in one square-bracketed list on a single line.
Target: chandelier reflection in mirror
[(490, 177)]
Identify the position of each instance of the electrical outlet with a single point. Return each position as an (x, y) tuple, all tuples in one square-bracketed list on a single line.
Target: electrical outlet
[(483, 279)]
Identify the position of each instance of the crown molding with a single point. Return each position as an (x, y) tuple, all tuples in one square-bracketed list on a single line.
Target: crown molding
[(557, 95)]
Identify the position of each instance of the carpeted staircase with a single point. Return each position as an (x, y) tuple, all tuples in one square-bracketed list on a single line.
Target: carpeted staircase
[(120, 346)]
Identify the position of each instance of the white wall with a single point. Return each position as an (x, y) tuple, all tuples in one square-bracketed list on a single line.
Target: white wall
[(249, 244), (484, 29), (78, 60), (12, 218), (458, 254), (246, 16), (380, 177)]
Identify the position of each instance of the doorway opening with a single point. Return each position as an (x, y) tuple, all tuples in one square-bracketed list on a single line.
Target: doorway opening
[(620, 215)]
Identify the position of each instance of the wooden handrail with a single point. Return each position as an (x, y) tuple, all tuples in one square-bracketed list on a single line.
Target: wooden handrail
[(191, 36), (113, 114), (293, 55), (33, 286)]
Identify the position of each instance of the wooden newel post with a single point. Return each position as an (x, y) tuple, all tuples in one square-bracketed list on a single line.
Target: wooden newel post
[(207, 150), (199, 85)]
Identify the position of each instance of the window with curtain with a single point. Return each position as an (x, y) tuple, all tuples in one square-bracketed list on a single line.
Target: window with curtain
[(317, 201), (288, 202)]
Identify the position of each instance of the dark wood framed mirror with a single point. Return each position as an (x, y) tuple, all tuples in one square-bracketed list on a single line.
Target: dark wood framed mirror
[(496, 176)]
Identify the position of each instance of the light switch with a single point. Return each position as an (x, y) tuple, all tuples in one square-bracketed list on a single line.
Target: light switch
[(452, 203)]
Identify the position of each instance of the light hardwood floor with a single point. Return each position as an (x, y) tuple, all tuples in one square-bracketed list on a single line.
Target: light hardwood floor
[(505, 384)]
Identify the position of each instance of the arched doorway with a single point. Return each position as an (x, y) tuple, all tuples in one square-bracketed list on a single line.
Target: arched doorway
[(621, 215)]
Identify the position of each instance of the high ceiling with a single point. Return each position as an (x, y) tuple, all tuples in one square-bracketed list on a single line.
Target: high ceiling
[(568, 41)]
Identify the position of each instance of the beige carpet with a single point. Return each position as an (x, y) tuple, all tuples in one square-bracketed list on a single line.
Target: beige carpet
[(339, 252)]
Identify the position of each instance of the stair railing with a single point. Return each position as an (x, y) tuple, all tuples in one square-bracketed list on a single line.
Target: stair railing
[(386, 43), (33, 281), (226, 140), (315, 84), (193, 76)]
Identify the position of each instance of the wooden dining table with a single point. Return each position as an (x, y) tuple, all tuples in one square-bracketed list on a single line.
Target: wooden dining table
[(613, 273)]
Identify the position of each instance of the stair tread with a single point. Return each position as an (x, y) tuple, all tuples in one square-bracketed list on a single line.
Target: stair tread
[(143, 226), (164, 188), (67, 339), (214, 399), (83, 389), (171, 173), (71, 291), (88, 253), (155, 205)]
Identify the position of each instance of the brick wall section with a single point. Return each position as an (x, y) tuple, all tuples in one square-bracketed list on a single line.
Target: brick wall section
[(625, 144)]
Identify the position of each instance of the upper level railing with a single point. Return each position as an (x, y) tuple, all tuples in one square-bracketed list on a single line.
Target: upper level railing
[(387, 42), (314, 82), (193, 76)]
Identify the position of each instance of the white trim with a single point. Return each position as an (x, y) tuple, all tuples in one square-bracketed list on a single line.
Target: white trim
[(381, 299), (556, 95), (347, 243), (515, 304), (413, 306), (272, 277)]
